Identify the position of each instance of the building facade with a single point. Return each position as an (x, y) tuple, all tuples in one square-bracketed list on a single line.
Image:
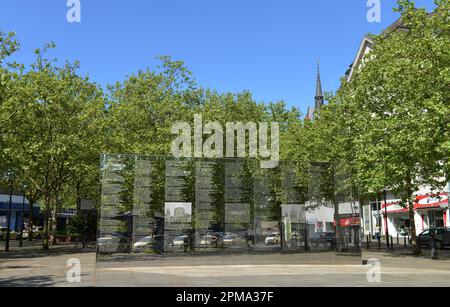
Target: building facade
[(18, 204)]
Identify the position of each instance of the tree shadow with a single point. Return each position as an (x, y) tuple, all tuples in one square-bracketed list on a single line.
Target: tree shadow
[(34, 282), (38, 252)]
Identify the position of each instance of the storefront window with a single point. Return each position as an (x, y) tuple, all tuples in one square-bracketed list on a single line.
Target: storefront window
[(436, 218)]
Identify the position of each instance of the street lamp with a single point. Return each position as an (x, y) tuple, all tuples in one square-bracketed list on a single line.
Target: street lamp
[(10, 177)]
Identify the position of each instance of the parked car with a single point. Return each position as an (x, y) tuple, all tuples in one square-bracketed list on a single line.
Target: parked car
[(113, 244), (179, 241), (38, 233), (232, 239), (143, 244), (322, 239), (149, 242), (273, 239), (211, 239), (13, 235), (442, 237)]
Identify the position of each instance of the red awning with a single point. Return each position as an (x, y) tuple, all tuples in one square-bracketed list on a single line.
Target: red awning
[(422, 202), (431, 201)]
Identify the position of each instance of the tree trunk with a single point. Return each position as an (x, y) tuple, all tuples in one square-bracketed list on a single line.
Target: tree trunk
[(31, 222), (46, 238), (54, 227), (340, 243), (414, 243)]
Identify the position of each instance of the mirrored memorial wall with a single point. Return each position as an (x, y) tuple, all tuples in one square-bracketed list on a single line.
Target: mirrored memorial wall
[(162, 205)]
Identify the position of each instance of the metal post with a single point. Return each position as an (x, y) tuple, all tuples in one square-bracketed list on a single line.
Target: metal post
[(306, 239), (8, 227), (84, 228), (21, 221)]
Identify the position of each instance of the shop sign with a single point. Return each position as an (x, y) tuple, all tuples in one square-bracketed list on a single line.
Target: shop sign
[(432, 201), (394, 207), (350, 221)]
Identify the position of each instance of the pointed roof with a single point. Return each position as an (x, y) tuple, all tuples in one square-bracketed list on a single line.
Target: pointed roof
[(319, 92), (308, 114)]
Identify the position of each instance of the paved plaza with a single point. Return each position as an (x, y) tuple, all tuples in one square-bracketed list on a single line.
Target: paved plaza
[(38, 269)]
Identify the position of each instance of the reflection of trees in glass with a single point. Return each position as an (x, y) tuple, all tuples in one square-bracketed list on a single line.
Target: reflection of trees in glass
[(117, 194), (218, 196), (238, 205), (188, 190), (246, 177), (126, 195), (275, 200), (158, 187), (255, 194), (321, 187)]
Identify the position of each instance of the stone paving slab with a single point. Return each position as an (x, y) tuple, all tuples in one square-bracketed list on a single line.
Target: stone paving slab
[(51, 271)]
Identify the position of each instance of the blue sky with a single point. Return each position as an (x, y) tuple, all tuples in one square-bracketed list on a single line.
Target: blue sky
[(267, 47)]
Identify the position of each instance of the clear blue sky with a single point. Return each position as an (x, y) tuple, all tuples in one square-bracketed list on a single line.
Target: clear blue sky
[(267, 47)]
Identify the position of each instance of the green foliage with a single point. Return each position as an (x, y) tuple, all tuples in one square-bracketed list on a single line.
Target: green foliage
[(386, 129)]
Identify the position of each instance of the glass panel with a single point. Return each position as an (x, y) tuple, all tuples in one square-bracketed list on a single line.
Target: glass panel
[(174, 207)]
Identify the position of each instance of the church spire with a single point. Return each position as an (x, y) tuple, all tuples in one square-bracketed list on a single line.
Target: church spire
[(319, 94), (308, 115)]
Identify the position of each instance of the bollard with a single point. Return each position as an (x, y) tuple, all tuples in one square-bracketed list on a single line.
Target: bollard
[(392, 243), (306, 240), (404, 241), (368, 243), (379, 242), (398, 240)]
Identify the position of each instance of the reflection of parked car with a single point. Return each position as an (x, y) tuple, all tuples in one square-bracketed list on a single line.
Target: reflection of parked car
[(144, 243), (210, 240), (273, 239), (113, 244), (38, 233), (150, 242), (233, 239), (179, 241), (206, 240), (442, 237), (12, 234), (322, 239)]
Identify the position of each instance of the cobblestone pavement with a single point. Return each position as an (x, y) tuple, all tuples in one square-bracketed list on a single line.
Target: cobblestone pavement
[(39, 269)]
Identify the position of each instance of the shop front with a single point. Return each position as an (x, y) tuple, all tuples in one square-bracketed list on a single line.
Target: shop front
[(351, 227), (429, 211), (398, 221), (432, 211)]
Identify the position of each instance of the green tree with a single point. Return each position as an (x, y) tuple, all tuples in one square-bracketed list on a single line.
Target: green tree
[(57, 118), (398, 104)]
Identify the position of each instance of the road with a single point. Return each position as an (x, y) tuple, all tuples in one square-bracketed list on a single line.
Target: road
[(38, 269)]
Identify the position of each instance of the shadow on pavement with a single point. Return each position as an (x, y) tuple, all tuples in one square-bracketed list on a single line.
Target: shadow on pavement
[(39, 252), (35, 281)]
